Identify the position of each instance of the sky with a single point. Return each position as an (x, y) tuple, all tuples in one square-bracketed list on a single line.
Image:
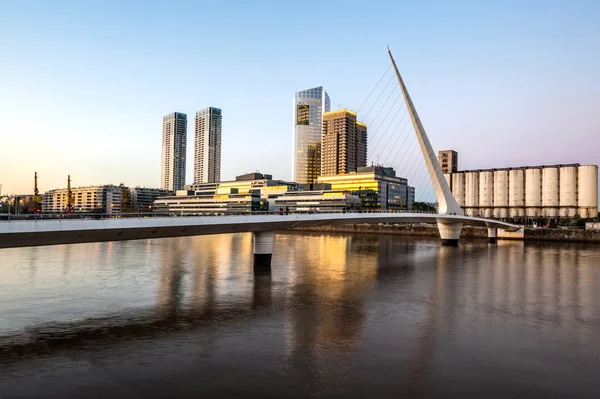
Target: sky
[(84, 85)]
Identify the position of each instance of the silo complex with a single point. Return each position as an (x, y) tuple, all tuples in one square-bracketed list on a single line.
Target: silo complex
[(531, 191)]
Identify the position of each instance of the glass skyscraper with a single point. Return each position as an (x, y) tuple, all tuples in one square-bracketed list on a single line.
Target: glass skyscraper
[(309, 106)]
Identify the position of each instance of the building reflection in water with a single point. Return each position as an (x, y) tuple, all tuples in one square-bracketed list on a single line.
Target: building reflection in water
[(221, 271), (329, 277), (172, 270), (323, 286)]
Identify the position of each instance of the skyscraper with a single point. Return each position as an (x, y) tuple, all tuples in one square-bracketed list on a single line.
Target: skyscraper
[(344, 143), (309, 106), (207, 146), (173, 151)]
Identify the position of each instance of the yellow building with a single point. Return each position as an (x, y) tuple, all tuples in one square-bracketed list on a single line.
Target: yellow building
[(377, 186)]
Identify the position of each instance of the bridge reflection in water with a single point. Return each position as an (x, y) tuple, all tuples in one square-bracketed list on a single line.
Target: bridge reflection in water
[(336, 312)]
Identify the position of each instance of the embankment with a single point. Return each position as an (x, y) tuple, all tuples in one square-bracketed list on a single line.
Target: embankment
[(562, 235)]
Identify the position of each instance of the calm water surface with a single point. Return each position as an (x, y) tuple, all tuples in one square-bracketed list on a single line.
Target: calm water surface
[(339, 316)]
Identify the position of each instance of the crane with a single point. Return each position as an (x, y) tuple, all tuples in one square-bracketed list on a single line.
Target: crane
[(70, 199), (37, 199)]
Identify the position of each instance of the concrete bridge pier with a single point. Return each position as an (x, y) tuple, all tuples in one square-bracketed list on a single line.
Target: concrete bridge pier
[(492, 235), (263, 248), (450, 233)]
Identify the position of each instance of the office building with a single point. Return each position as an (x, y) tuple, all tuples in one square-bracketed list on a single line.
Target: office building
[(173, 151), (344, 143), (248, 192), (309, 106), (448, 161), (207, 146), (376, 186), (105, 199), (201, 203), (528, 192), (142, 198), (264, 184)]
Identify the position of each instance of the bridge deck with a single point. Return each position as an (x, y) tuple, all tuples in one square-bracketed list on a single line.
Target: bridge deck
[(20, 233)]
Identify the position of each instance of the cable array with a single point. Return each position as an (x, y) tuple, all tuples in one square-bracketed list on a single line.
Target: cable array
[(392, 141)]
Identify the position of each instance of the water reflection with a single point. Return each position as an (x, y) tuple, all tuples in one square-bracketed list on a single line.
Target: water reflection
[(333, 303)]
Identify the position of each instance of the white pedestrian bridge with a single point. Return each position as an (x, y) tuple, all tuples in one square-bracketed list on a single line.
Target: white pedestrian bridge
[(61, 230), (70, 229)]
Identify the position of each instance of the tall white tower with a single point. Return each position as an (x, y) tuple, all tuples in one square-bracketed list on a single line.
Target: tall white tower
[(172, 176), (207, 146), (447, 204)]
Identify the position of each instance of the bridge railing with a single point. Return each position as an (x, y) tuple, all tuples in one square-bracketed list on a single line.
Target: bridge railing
[(141, 215)]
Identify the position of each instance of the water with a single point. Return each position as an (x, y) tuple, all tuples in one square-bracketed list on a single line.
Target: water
[(339, 316)]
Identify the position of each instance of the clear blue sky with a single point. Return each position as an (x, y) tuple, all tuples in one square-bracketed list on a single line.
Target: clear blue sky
[(84, 85)]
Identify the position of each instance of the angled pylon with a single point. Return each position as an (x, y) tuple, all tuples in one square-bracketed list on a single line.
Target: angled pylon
[(446, 201)]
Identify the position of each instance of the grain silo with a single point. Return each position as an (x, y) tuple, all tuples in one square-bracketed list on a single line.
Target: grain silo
[(458, 188), (568, 190), (472, 193), (550, 191), (516, 196), (501, 193), (486, 193), (588, 191), (533, 192)]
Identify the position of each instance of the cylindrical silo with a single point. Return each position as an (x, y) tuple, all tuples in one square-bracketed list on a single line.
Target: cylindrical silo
[(486, 193), (550, 191), (516, 193), (568, 191), (501, 190), (458, 188), (516, 212), (588, 191), (448, 177), (471, 193), (533, 192)]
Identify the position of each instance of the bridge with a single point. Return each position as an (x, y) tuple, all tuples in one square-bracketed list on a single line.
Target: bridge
[(52, 231), (449, 219)]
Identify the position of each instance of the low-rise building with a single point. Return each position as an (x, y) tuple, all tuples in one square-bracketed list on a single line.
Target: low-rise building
[(376, 186), (266, 186), (247, 189), (91, 199), (318, 201), (142, 198), (202, 203)]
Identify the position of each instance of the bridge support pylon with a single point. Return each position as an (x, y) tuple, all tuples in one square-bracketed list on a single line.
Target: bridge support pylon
[(263, 248), (450, 233), (492, 235)]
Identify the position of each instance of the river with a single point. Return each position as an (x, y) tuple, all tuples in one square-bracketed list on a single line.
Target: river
[(339, 315)]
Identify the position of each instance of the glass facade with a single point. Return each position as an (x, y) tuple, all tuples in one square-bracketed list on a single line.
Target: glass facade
[(309, 106), (376, 186)]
